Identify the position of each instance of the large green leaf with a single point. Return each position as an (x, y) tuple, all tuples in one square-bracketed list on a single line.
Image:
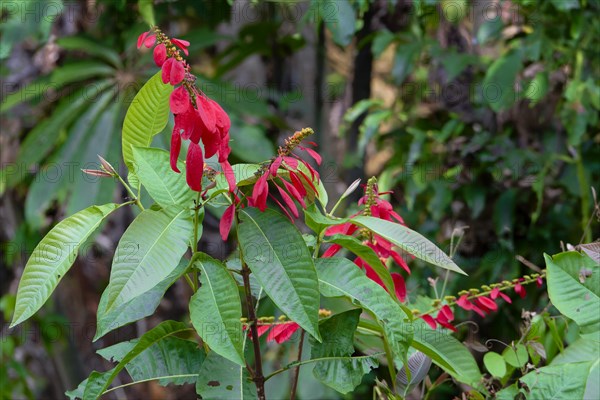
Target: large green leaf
[(137, 308), (215, 310), (147, 115), (343, 374), (408, 240), (221, 379), (148, 252), (574, 289), (164, 185), (368, 255), (341, 277), (53, 257), (566, 381), (98, 382), (446, 351), (582, 350), (276, 253), (170, 360)]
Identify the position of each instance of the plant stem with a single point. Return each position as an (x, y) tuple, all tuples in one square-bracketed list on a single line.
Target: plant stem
[(135, 199), (259, 379), (297, 370), (390, 360)]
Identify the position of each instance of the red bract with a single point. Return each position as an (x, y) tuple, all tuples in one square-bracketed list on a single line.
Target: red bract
[(282, 332), (179, 101), (429, 319), (227, 221), (399, 286), (194, 167), (520, 290), (147, 39), (496, 292), (160, 54), (182, 44), (173, 71)]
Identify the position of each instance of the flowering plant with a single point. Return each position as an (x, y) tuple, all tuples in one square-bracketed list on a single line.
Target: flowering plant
[(273, 262)]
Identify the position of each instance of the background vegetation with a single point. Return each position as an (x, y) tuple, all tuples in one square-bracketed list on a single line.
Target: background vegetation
[(482, 117)]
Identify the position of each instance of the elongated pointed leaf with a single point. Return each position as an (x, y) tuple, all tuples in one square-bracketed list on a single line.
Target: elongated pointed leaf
[(418, 366), (147, 115), (368, 255), (148, 252), (215, 310), (574, 289), (164, 185), (343, 374), (221, 379), (277, 255), (98, 382), (170, 360), (340, 277), (53, 257), (408, 240), (137, 308)]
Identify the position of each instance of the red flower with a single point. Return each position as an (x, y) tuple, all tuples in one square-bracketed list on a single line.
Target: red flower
[(520, 290), (444, 317), (147, 39), (182, 44), (430, 321), (496, 292), (173, 71), (399, 286), (487, 304), (179, 101), (464, 303), (226, 221), (282, 332), (160, 54)]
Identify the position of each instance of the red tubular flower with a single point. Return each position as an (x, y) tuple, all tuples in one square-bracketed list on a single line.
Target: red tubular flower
[(399, 286), (496, 292), (226, 221), (160, 54), (282, 332), (430, 321), (194, 167)]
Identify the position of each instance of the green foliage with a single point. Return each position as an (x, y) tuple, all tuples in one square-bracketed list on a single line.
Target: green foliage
[(149, 250), (53, 257), (345, 374), (216, 311), (276, 253), (222, 379), (495, 364), (574, 289)]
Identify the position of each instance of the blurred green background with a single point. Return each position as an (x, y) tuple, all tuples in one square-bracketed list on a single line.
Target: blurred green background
[(479, 115)]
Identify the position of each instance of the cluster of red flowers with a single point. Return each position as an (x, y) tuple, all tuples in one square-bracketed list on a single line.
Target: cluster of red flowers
[(480, 303), (197, 118), (280, 333), (301, 176), (377, 207)]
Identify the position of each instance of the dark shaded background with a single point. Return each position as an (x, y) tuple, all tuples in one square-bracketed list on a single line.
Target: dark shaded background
[(479, 115)]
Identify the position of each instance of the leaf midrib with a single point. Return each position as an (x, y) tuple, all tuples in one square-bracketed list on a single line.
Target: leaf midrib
[(281, 264), (110, 306), (159, 179)]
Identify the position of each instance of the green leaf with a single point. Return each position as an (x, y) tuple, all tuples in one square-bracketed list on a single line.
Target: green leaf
[(164, 185), (170, 360), (53, 257), (516, 356), (98, 382), (341, 277), (498, 86), (79, 71), (343, 374), (368, 255), (408, 240), (148, 252), (318, 222), (584, 349), (147, 11), (276, 253), (495, 364), (574, 288), (215, 310), (565, 381), (447, 352), (137, 308), (250, 143), (147, 115), (221, 379)]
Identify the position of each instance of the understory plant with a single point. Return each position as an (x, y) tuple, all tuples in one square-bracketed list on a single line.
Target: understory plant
[(220, 348)]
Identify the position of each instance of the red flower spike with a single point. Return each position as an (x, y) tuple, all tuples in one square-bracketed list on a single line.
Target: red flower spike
[(179, 101), (227, 221), (194, 167), (487, 303), (399, 286), (520, 290), (175, 149), (182, 44), (496, 292), (430, 321), (160, 54)]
